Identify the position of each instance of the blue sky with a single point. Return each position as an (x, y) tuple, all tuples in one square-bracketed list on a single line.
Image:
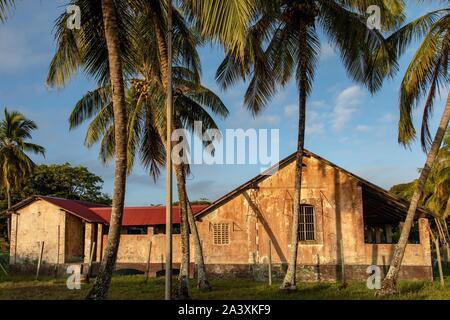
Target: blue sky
[(345, 124)]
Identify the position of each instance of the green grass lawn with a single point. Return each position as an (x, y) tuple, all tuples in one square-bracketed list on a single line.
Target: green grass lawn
[(134, 287)]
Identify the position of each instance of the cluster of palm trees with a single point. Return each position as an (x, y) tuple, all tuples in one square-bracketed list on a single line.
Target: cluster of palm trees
[(143, 55)]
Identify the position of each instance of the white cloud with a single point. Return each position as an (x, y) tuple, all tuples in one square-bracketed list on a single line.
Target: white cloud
[(314, 123), (347, 103), (363, 128), (242, 118), (268, 119), (318, 104), (291, 110), (388, 118), (327, 51)]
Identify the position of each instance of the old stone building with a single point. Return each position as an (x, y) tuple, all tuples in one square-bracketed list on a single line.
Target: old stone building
[(70, 230), (346, 225)]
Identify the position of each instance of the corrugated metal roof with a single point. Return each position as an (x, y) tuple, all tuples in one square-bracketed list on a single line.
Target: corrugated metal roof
[(81, 209), (145, 216), (98, 213)]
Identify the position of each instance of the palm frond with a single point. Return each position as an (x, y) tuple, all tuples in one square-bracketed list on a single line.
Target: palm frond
[(5, 7)]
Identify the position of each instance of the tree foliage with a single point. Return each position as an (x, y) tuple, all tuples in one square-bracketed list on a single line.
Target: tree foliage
[(15, 164), (436, 196), (63, 181), (59, 180)]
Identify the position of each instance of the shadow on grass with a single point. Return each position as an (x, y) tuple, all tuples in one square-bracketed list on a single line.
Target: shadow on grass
[(135, 288)]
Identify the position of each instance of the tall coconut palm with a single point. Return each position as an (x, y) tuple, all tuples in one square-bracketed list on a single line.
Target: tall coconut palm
[(101, 49), (425, 76), (103, 280), (221, 21), (16, 166), (146, 133), (283, 41), (146, 97)]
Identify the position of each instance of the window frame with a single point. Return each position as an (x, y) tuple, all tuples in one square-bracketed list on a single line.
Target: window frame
[(220, 236), (305, 232)]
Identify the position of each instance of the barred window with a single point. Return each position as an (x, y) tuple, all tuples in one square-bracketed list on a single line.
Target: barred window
[(306, 224), (221, 233)]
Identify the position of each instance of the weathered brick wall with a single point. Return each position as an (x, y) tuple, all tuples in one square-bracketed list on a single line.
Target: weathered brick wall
[(35, 223), (135, 249), (337, 198), (73, 239)]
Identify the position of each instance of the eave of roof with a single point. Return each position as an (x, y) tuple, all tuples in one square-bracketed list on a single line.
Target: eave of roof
[(97, 213), (289, 159), (80, 209)]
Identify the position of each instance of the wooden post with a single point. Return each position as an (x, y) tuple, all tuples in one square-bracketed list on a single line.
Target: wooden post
[(270, 263), (447, 245), (8, 227), (57, 253), (40, 260), (91, 257), (344, 282), (147, 271), (438, 255), (318, 267), (389, 233)]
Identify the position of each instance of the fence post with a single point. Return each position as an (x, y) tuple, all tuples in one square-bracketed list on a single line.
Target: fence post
[(147, 271), (344, 280), (40, 260), (270, 263), (57, 253), (91, 257)]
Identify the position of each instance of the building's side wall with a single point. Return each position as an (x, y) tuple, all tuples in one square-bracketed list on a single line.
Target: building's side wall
[(337, 199), (134, 251), (34, 224), (74, 239)]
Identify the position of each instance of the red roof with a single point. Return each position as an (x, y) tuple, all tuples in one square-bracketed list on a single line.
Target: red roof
[(81, 209), (144, 216), (98, 213)]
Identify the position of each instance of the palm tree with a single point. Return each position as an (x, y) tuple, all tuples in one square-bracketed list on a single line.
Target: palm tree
[(103, 280), (146, 133), (219, 21), (283, 41), (101, 49), (223, 21), (147, 123), (425, 76), (16, 166)]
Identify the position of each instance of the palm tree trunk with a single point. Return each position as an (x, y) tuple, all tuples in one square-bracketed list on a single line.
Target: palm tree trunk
[(389, 283), (289, 282), (447, 246), (169, 118), (202, 278), (8, 196), (103, 280), (439, 261), (162, 49), (183, 278)]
